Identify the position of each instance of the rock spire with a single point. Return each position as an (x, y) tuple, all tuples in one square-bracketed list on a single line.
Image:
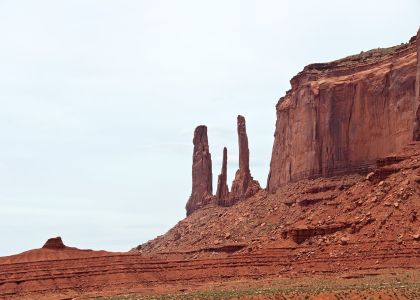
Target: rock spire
[(202, 189), (416, 131), (244, 185), (222, 192)]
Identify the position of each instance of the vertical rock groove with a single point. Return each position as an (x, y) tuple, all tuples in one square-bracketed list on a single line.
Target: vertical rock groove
[(338, 116)]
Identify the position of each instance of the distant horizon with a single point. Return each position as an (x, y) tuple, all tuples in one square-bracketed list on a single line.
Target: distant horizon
[(100, 101)]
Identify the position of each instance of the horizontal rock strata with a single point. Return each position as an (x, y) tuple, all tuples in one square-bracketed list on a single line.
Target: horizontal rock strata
[(339, 117)]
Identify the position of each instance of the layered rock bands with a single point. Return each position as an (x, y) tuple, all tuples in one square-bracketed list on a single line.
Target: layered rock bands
[(339, 117)]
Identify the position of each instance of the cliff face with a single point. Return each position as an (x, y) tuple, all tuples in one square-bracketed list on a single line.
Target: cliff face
[(416, 133), (341, 116)]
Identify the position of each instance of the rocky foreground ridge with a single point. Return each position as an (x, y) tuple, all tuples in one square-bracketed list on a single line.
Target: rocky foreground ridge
[(344, 227), (349, 212)]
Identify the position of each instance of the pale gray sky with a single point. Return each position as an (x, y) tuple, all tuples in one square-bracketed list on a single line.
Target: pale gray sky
[(99, 101)]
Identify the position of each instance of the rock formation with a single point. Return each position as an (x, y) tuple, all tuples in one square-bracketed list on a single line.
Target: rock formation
[(243, 185), (416, 133), (202, 189), (339, 117), (222, 192), (54, 243)]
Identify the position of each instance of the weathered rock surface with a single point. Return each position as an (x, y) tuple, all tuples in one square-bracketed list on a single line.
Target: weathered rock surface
[(416, 133), (315, 213), (222, 192), (339, 117), (54, 243), (299, 235), (202, 186), (344, 227), (243, 185)]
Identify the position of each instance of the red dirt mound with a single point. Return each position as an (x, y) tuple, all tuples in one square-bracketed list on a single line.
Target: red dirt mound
[(53, 249)]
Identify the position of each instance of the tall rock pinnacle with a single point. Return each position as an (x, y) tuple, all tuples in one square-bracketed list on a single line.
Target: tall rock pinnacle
[(202, 189), (243, 146), (222, 192), (243, 186)]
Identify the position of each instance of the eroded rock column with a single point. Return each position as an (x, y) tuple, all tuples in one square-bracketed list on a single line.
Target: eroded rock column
[(243, 186), (202, 189), (222, 192)]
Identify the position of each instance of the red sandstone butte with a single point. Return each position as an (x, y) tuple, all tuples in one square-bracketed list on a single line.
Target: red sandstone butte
[(54, 243), (222, 192), (243, 185), (339, 117), (202, 188)]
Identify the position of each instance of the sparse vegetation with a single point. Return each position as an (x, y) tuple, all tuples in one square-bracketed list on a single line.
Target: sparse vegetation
[(371, 287)]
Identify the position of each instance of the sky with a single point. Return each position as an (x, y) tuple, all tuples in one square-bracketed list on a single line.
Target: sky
[(99, 100)]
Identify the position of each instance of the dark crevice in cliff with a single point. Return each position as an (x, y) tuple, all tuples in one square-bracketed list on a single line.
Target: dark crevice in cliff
[(347, 151), (318, 136), (385, 95), (416, 129)]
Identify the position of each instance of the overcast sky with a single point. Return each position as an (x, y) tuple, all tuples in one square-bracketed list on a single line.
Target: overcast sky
[(99, 101)]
